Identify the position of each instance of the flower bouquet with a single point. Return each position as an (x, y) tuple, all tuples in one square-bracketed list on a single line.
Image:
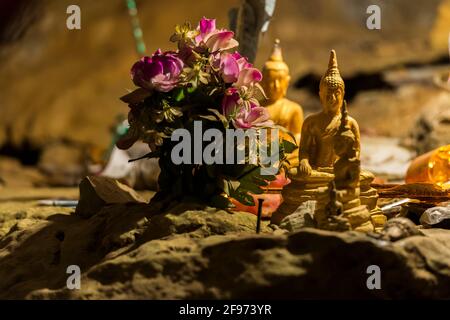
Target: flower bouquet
[(203, 86)]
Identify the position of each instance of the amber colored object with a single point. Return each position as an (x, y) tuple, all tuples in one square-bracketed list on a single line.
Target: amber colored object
[(433, 167), (282, 111)]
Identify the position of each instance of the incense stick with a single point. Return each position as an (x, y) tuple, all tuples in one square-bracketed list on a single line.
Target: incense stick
[(258, 219)]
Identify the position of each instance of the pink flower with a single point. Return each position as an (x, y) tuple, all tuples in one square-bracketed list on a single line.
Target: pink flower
[(229, 68), (206, 28), (248, 77), (255, 116), (244, 115), (159, 72), (236, 69), (241, 61), (214, 39), (231, 102), (221, 40)]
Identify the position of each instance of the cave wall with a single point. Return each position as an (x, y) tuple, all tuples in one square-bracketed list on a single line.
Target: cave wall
[(58, 84)]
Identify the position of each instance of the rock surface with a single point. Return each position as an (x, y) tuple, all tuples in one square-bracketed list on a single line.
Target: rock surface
[(401, 106), (98, 192), (192, 251), (432, 127), (302, 217), (397, 229), (436, 217)]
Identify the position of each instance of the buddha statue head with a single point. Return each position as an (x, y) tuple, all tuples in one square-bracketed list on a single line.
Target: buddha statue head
[(275, 75), (332, 88)]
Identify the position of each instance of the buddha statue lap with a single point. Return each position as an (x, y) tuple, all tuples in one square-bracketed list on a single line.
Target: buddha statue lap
[(329, 152)]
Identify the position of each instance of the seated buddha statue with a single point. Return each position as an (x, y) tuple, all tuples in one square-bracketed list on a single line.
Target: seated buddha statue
[(329, 150), (283, 111), (317, 137)]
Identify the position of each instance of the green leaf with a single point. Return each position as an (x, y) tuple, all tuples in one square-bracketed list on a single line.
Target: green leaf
[(244, 198), (259, 181), (288, 146), (225, 187), (213, 90), (178, 94), (208, 117), (192, 89), (283, 129), (249, 169), (172, 113), (251, 181), (234, 184), (249, 186), (271, 177), (152, 154), (136, 96), (221, 202), (219, 116)]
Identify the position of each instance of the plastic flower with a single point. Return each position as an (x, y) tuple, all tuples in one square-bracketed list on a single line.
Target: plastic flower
[(244, 114), (206, 27), (248, 77), (160, 72), (236, 69), (214, 39), (229, 68), (241, 61), (255, 116), (231, 102), (231, 64)]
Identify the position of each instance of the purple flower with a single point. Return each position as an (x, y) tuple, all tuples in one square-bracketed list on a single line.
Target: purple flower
[(221, 40), (241, 61), (248, 77), (255, 116), (212, 38), (236, 69), (159, 72), (231, 102), (244, 115), (205, 27), (229, 68)]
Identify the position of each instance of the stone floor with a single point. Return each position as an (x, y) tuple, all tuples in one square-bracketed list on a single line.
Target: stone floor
[(192, 251)]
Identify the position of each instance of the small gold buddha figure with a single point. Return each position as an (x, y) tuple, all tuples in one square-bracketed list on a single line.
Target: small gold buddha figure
[(334, 219), (330, 151), (283, 111), (347, 168), (316, 144), (346, 185)]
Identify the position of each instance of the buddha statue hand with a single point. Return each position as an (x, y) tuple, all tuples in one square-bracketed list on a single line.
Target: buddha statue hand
[(304, 168)]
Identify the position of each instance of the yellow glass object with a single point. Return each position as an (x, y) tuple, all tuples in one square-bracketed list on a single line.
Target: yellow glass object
[(433, 167)]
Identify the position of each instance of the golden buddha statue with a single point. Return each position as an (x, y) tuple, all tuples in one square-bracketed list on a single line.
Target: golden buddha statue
[(283, 111), (329, 151), (316, 144)]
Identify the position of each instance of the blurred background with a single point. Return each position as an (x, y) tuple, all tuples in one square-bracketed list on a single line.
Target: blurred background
[(60, 88)]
